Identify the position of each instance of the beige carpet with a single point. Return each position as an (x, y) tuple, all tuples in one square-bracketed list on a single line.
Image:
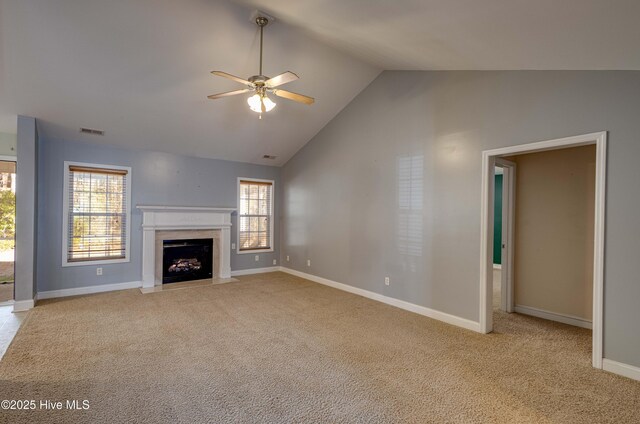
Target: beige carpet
[(274, 348)]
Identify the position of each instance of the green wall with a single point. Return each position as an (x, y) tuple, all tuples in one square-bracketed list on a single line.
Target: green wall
[(497, 221)]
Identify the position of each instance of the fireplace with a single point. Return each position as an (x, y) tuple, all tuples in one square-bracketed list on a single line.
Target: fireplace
[(180, 224), (187, 260)]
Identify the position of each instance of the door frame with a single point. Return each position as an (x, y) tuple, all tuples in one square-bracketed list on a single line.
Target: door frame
[(599, 139), (6, 158), (508, 228)]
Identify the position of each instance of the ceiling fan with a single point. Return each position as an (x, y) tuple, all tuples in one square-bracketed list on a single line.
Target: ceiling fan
[(261, 85)]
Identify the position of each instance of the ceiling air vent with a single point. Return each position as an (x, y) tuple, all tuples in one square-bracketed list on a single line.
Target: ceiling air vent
[(91, 131), (269, 157)]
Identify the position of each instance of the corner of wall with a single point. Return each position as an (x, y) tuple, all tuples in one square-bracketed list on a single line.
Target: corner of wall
[(26, 212)]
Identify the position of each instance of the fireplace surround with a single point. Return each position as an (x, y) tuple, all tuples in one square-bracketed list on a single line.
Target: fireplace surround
[(160, 223)]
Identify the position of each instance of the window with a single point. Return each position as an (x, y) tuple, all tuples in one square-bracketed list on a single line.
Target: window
[(7, 175), (96, 214), (255, 215)]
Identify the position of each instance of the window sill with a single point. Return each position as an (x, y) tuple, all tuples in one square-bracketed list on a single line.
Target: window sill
[(254, 251), (97, 262)]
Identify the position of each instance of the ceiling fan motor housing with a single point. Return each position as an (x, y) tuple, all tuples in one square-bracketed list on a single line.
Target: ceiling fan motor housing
[(258, 79)]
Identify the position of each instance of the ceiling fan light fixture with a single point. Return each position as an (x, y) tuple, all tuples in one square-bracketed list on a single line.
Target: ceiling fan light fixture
[(268, 103), (255, 103)]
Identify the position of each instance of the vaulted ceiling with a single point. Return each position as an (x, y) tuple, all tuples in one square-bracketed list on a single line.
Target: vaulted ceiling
[(139, 70), (473, 34)]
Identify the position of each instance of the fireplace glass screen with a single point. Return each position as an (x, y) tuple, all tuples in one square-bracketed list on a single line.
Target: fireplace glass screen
[(187, 260)]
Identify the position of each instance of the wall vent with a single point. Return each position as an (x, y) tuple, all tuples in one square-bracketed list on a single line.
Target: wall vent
[(269, 157), (91, 131)]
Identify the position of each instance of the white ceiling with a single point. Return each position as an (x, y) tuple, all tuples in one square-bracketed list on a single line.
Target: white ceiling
[(474, 34), (140, 69)]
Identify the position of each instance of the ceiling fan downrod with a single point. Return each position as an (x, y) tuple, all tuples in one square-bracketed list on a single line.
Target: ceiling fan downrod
[(262, 22)]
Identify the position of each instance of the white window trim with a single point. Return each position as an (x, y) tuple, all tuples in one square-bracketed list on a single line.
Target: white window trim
[(273, 214), (65, 216)]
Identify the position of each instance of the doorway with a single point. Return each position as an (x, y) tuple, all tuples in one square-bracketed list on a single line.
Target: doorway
[(491, 158), (503, 231), (7, 228)]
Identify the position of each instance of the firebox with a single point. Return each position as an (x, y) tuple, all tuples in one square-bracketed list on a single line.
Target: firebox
[(187, 260)]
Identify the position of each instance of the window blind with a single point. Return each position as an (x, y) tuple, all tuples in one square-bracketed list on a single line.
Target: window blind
[(97, 214), (255, 215)]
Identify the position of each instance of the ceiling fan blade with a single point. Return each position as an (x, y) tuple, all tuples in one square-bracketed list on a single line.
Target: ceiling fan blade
[(294, 96), (228, 93), (232, 77), (283, 78)]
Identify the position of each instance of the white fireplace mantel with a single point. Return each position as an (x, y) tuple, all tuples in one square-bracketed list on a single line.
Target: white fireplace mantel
[(158, 218)]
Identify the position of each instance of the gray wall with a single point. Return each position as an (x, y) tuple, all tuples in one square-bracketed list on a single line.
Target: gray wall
[(157, 179), (26, 206), (391, 186)]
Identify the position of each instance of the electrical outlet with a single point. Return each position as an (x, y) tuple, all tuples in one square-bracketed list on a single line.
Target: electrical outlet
[(274, 261), (233, 246), (308, 262), (387, 281), (98, 271), (257, 258), (287, 258)]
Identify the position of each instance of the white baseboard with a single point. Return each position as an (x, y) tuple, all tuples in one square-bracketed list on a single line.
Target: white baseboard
[(422, 310), (23, 305), (619, 368), (255, 271), (497, 266), (129, 285), (554, 316), (88, 290)]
